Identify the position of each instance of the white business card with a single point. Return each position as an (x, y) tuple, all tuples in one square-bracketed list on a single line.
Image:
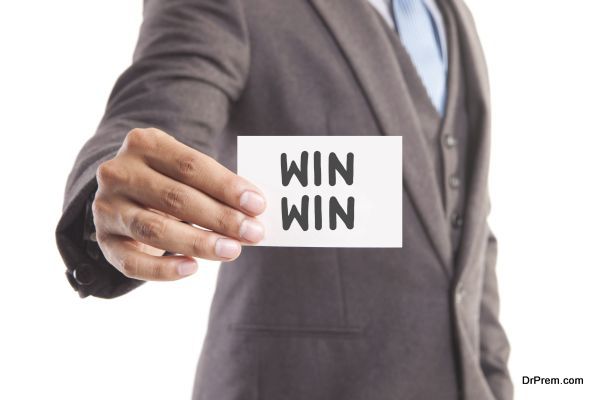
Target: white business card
[(327, 191)]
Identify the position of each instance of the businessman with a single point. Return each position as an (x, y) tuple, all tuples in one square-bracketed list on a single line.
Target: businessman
[(420, 322)]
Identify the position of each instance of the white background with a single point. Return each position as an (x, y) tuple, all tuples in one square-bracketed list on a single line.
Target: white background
[(58, 61)]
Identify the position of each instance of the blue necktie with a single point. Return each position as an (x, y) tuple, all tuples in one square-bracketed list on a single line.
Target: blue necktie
[(421, 37)]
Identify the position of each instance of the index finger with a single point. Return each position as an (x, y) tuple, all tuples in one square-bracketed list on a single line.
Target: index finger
[(200, 171)]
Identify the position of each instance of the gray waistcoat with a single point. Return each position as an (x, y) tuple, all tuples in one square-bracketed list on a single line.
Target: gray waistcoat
[(448, 137), (447, 140)]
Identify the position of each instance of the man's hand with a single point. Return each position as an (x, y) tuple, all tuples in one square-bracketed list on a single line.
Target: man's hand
[(153, 184)]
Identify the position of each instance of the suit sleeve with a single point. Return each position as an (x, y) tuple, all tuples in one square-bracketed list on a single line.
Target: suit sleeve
[(190, 64), (494, 346)]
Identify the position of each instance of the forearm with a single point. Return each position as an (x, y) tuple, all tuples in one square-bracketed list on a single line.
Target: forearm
[(184, 76)]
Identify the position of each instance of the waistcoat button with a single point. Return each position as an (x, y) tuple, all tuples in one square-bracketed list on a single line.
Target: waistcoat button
[(450, 140)]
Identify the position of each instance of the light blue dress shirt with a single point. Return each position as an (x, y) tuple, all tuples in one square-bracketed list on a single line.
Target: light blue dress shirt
[(420, 26)]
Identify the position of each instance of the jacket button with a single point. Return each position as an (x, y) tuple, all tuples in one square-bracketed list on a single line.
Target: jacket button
[(84, 274), (454, 182), (460, 295), (450, 140), (457, 220)]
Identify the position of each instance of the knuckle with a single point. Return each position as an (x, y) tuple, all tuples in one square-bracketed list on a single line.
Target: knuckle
[(100, 208), (199, 246), (130, 266), (101, 237), (146, 229), (110, 173), (174, 199), (221, 223), (156, 271), (187, 166), (228, 220), (134, 138), (139, 139)]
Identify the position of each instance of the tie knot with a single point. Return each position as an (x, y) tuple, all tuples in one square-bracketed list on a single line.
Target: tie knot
[(408, 6)]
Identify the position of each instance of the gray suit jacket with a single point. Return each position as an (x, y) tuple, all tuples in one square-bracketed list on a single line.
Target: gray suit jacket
[(307, 323)]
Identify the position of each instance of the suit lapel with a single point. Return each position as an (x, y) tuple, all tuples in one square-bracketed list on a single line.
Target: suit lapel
[(477, 201), (362, 39)]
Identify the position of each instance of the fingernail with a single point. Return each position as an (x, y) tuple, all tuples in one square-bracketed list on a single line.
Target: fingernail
[(187, 268), (252, 202), (227, 248), (251, 231)]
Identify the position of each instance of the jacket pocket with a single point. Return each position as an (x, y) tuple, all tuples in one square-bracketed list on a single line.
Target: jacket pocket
[(346, 332)]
